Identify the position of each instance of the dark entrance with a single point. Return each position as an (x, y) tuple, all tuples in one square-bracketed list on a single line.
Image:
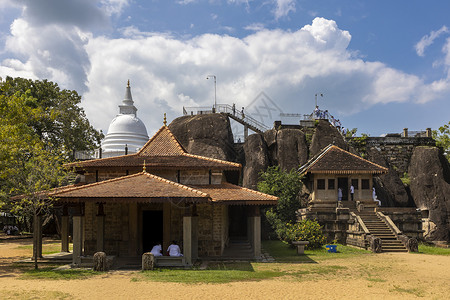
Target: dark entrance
[(238, 222), (343, 184), (152, 228)]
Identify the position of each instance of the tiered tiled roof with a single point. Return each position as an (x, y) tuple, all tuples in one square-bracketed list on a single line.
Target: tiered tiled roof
[(149, 188), (162, 151), (334, 160), (228, 193), (140, 187)]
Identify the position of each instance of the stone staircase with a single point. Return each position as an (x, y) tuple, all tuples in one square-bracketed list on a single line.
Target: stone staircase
[(379, 229)]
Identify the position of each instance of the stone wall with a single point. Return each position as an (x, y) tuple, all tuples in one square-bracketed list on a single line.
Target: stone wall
[(397, 150)]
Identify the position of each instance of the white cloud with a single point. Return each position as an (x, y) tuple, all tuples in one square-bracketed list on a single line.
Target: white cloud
[(428, 40), (255, 27), (283, 7), (167, 73)]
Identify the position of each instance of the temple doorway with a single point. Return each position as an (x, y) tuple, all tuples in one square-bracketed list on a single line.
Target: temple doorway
[(238, 222), (343, 184), (152, 229)]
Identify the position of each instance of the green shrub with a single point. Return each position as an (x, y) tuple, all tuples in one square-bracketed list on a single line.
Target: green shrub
[(305, 230)]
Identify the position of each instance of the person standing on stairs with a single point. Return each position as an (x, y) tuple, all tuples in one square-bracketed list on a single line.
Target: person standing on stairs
[(352, 192)]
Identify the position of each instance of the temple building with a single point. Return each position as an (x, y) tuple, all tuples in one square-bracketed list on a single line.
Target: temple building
[(356, 220), (124, 205), (126, 133)]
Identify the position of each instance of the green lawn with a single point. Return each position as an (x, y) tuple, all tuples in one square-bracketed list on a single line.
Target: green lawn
[(430, 249), (283, 253)]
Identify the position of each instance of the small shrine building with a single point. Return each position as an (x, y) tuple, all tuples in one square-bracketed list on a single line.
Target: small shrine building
[(124, 205)]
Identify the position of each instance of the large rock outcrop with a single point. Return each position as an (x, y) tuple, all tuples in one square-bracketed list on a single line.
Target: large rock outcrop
[(430, 188), (208, 135), (256, 159), (324, 135), (287, 148), (389, 187)]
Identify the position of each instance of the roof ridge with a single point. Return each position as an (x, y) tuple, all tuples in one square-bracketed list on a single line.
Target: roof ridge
[(213, 159), (175, 184), (97, 183), (359, 157), (102, 159), (156, 135)]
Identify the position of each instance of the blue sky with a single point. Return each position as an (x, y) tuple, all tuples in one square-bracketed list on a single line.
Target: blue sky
[(381, 65)]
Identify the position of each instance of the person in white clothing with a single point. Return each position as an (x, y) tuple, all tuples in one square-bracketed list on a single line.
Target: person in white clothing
[(339, 194), (374, 197), (157, 250), (352, 192), (174, 249)]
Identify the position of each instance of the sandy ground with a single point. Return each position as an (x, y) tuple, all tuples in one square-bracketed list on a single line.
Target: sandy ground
[(381, 276)]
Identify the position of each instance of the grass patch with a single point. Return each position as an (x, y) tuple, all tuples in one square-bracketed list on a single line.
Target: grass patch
[(51, 273), (35, 294), (431, 249), (47, 248), (283, 253), (216, 273), (414, 291)]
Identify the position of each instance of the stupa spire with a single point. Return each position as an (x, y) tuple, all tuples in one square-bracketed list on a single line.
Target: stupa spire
[(127, 107)]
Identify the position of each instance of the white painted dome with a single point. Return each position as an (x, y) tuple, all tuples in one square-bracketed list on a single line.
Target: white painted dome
[(125, 130)]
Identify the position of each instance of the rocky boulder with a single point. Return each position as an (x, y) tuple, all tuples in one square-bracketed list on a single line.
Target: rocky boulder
[(292, 150), (430, 188), (389, 187), (256, 159), (324, 135), (207, 135)]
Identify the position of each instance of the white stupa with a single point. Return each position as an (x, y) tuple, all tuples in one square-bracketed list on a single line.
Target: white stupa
[(125, 131)]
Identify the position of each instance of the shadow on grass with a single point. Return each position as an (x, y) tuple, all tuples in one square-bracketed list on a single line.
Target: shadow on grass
[(53, 273)]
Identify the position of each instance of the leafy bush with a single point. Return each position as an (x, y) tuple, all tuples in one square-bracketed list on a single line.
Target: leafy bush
[(305, 230)]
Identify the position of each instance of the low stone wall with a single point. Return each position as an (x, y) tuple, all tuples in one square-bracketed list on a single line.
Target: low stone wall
[(407, 220)]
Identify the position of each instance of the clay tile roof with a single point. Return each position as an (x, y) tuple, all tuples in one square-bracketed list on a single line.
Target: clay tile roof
[(334, 160), (162, 151), (232, 194), (141, 187), (163, 143)]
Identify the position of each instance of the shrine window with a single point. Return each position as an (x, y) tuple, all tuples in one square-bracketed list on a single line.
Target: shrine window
[(320, 184), (331, 184)]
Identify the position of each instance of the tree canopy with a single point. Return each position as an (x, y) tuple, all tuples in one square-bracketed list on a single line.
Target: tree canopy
[(40, 128), (442, 137)]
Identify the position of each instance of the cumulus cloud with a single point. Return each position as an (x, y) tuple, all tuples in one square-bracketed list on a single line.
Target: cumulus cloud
[(428, 40), (167, 73)]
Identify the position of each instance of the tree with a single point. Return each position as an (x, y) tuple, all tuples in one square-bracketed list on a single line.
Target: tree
[(442, 137), (57, 121), (40, 127), (286, 186)]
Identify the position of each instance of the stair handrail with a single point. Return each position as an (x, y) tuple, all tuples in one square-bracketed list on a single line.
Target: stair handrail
[(389, 223), (400, 236), (361, 222)]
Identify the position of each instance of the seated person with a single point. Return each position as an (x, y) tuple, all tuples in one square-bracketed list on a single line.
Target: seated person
[(174, 249), (374, 197), (157, 250)]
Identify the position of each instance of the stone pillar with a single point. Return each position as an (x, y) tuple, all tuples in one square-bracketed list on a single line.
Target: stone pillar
[(77, 239), (190, 238), (37, 235), (245, 132), (100, 228), (429, 132), (405, 132), (255, 221)]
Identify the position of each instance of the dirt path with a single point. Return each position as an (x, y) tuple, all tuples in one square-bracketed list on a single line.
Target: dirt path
[(383, 276)]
